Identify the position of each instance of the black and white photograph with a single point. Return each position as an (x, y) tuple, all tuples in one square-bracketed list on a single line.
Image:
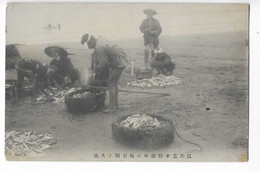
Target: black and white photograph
[(135, 82)]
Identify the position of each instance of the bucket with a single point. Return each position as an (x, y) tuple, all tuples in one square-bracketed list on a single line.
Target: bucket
[(143, 74)]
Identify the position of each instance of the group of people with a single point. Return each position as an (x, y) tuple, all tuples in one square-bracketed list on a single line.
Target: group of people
[(59, 73), (151, 30), (108, 63)]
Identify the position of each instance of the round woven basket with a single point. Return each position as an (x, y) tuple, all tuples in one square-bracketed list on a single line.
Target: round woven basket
[(92, 102), (148, 139)]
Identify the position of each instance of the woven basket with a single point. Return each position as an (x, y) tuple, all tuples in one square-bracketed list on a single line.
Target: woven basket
[(148, 139), (92, 102)]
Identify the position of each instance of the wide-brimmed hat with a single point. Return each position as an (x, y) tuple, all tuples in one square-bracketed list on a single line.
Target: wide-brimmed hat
[(150, 11), (63, 52)]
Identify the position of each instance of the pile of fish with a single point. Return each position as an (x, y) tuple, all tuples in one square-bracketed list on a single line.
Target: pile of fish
[(84, 94), (27, 144), (156, 82), (140, 121), (59, 97)]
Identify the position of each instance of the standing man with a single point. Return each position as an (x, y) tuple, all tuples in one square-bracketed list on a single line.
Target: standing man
[(108, 63), (151, 29)]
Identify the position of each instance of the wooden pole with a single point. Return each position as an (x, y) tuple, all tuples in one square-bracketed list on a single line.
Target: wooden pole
[(132, 68), (128, 91)]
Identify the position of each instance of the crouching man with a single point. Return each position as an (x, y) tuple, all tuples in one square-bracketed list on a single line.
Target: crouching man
[(36, 73), (109, 63), (162, 62), (64, 74)]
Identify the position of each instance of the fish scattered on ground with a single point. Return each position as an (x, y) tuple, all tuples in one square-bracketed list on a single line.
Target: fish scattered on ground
[(59, 97), (21, 144), (159, 81)]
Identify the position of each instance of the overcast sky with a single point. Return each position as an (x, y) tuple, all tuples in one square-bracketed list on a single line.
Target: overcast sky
[(27, 22)]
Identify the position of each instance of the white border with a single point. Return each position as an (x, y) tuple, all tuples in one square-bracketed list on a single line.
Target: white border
[(254, 152)]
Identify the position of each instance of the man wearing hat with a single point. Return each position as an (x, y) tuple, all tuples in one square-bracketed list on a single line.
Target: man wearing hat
[(151, 29), (35, 72), (108, 63), (64, 70)]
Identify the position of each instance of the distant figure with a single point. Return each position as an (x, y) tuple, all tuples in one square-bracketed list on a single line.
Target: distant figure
[(64, 74), (162, 62), (12, 56), (108, 63), (151, 29)]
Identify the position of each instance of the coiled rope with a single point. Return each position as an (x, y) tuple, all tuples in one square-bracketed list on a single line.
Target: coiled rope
[(175, 131)]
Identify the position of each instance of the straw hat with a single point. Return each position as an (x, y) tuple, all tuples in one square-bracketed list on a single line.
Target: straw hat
[(150, 11), (62, 51)]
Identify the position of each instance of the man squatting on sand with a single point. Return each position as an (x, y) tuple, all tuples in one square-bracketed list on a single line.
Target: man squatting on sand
[(64, 74), (162, 62), (60, 73)]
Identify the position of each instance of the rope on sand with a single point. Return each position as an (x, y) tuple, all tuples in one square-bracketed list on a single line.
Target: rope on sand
[(200, 148)]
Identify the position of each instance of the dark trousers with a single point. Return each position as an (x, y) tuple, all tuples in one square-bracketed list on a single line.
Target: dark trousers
[(158, 65), (20, 77), (54, 76), (60, 79), (99, 81), (165, 68), (150, 43), (74, 75), (113, 85), (151, 40)]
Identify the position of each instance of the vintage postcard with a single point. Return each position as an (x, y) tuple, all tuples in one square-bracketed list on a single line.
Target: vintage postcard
[(160, 82)]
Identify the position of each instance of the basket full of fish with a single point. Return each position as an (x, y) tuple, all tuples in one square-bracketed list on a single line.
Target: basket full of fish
[(85, 100), (143, 131)]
